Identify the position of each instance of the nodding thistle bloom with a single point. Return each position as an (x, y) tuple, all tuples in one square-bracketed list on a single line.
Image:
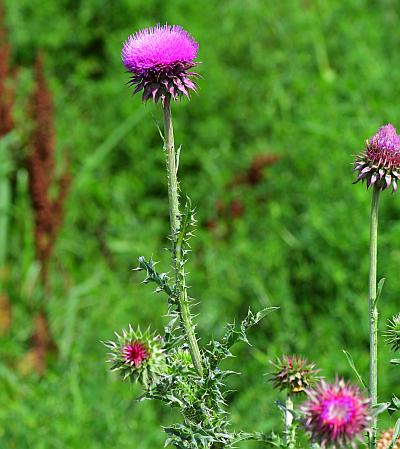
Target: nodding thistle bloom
[(159, 60), (137, 356), (385, 440), (379, 163), (392, 334), (293, 374), (336, 415)]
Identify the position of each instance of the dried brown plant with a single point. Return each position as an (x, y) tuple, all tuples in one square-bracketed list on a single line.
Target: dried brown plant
[(47, 209), (7, 96)]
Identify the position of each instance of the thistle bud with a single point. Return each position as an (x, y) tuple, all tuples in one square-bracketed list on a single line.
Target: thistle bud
[(137, 356), (293, 374), (392, 334)]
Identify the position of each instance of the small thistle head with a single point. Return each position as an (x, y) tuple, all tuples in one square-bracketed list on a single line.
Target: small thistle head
[(336, 415), (392, 334), (293, 374), (159, 60), (385, 440), (379, 163), (137, 356)]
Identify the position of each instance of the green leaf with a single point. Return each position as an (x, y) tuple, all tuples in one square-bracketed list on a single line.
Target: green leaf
[(353, 367), (379, 290), (220, 350), (395, 361), (381, 407), (396, 434)]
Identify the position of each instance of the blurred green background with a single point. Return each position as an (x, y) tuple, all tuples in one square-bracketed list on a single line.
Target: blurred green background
[(306, 81)]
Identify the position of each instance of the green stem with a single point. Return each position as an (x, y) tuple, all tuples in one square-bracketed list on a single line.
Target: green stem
[(289, 429), (373, 313), (174, 215)]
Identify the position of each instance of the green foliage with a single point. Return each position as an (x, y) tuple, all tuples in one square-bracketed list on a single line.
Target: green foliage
[(307, 81), (199, 395)]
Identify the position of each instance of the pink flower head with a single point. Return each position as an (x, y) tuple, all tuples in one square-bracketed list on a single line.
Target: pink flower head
[(159, 59), (336, 414), (379, 164), (135, 353)]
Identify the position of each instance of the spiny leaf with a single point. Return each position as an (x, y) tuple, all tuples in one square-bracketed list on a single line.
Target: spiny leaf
[(161, 279)]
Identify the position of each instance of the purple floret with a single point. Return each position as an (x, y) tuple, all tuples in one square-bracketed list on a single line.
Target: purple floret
[(386, 140), (159, 60)]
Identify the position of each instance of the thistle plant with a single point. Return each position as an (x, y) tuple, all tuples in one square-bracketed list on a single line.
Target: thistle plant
[(379, 166), (172, 367)]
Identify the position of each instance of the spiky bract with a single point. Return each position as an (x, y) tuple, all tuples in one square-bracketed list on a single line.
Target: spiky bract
[(138, 356), (293, 374), (336, 415), (392, 334), (379, 163), (159, 60)]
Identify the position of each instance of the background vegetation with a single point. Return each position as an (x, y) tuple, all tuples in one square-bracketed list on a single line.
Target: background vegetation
[(306, 81)]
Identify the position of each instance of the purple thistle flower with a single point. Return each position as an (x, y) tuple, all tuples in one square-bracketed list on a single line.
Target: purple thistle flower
[(159, 60), (135, 353), (336, 414), (379, 164)]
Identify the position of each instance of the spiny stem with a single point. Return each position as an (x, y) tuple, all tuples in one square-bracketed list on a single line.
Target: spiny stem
[(289, 429), (373, 313), (177, 250)]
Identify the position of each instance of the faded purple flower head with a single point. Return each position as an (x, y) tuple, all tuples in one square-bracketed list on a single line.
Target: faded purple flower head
[(135, 353), (159, 59), (379, 164), (336, 415), (294, 374)]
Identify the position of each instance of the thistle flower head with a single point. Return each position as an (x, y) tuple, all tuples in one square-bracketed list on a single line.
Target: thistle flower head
[(135, 353), (293, 374), (392, 334), (159, 60), (379, 163), (336, 414), (385, 440), (138, 356)]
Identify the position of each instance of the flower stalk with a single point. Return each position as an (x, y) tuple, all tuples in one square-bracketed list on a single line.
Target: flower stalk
[(373, 313), (177, 250), (290, 432)]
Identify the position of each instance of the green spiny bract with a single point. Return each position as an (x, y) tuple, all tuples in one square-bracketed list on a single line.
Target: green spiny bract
[(138, 356), (392, 334)]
